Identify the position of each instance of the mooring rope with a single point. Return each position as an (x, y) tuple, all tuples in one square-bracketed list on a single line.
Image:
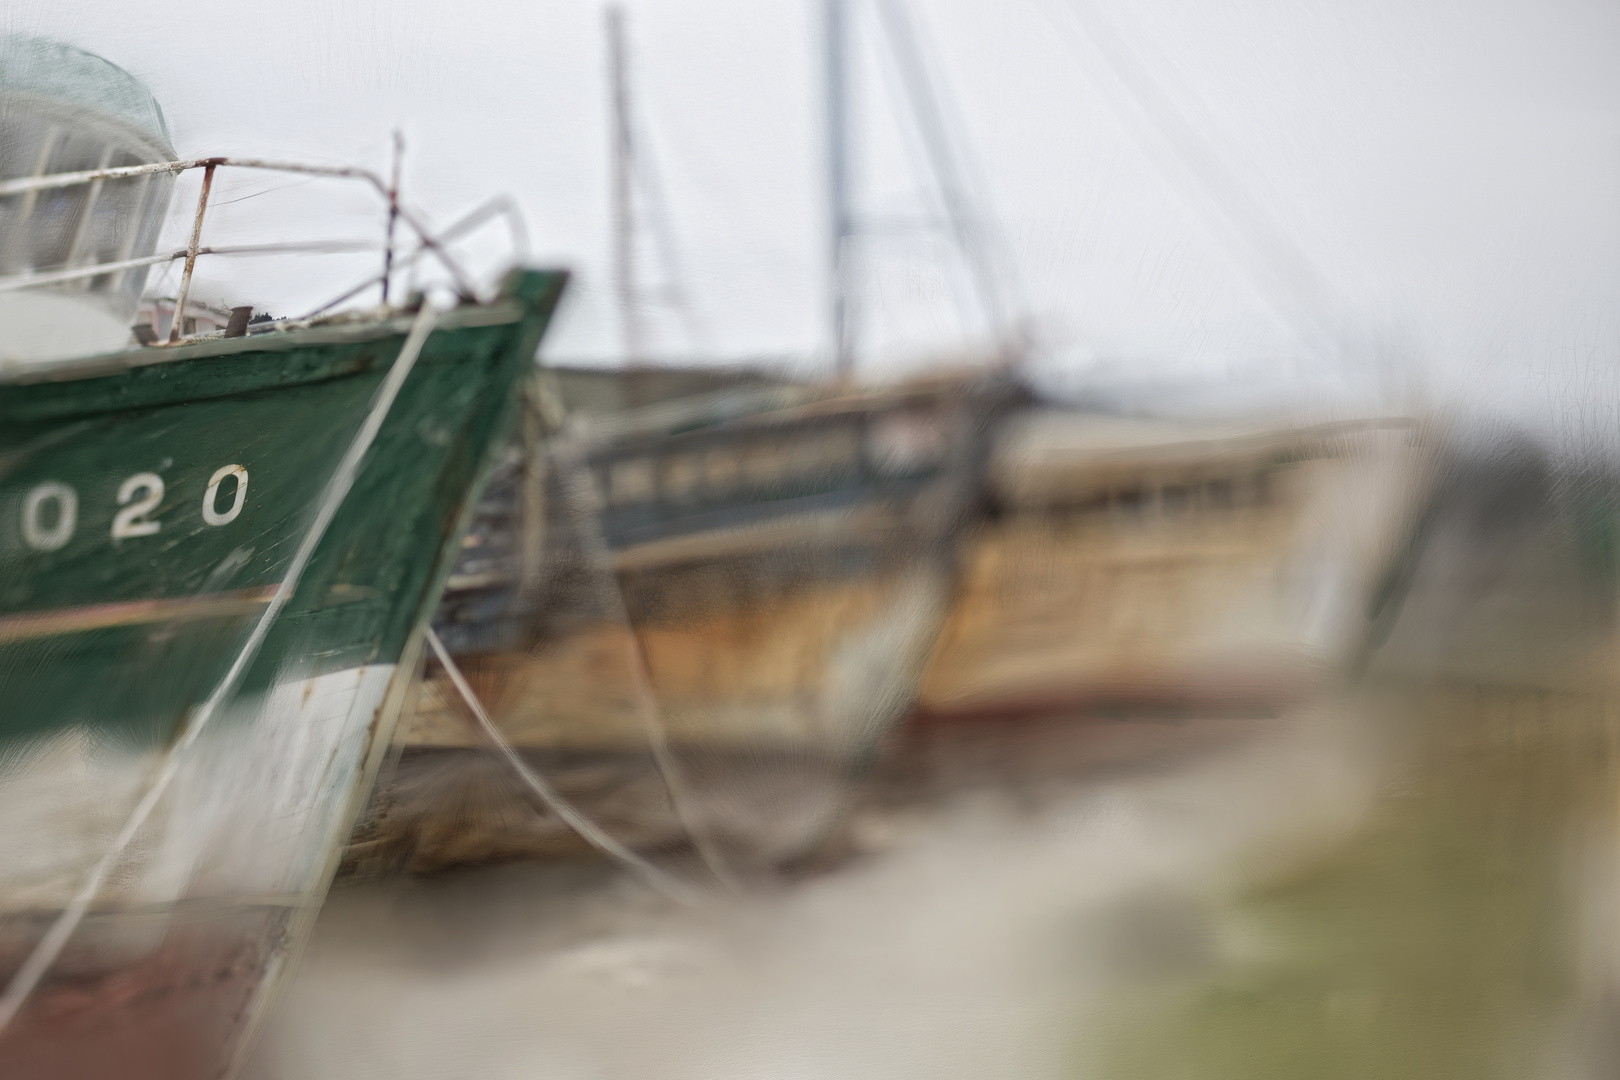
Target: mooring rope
[(586, 503), (571, 815), (50, 946)]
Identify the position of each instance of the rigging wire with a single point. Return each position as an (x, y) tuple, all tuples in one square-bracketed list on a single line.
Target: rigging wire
[(216, 203), (960, 189), (1294, 285), (951, 189), (570, 815), (932, 223), (671, 258), (585, 500), (639, 198)]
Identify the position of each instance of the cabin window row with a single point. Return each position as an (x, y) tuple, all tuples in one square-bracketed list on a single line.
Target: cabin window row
[(1228, 493), (889, 446), (724, 469)]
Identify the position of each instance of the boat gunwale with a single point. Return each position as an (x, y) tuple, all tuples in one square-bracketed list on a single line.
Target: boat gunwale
[(140, 380), (853, 407), (500, 312)]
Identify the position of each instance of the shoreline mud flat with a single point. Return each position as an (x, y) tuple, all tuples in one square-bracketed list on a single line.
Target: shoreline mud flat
[(1030, 901), (923, 949)]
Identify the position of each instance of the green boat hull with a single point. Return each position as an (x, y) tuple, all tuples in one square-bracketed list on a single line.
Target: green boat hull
[(151, 503)]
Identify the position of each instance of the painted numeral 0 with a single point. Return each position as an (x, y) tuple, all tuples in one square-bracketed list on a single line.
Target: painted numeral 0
[(210, 505), (36, 534), (131, 520)]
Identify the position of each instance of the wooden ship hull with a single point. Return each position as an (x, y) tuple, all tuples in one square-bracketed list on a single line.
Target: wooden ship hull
[(760, 592), (762, 595), (1132, 564)]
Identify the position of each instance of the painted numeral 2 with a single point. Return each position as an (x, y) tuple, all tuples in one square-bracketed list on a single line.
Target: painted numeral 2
[(131, 520)]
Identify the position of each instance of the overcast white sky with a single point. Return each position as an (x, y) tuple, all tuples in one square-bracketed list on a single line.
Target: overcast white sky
[(1450, 170)]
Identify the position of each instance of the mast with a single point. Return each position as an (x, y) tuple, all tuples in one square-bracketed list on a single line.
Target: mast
[(840, 220), (947, 166), (962, 221), (624, 204)]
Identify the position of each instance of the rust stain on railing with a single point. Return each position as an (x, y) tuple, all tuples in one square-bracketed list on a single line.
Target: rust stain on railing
[(179, 320)]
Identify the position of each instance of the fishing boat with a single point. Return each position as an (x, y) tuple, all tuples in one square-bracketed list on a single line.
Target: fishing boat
[(769, 579), (741, 582), (753, 596), (218, 556), (1133, 564)]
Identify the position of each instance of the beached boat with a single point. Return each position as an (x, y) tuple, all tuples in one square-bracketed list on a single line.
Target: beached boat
[(761, 589), (218, 556), (769, 586), (740, 584), (1134, 564)]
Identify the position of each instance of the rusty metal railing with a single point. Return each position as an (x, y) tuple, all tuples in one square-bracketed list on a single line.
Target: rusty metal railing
[(502, 206), (17, 282), (428, 242)]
